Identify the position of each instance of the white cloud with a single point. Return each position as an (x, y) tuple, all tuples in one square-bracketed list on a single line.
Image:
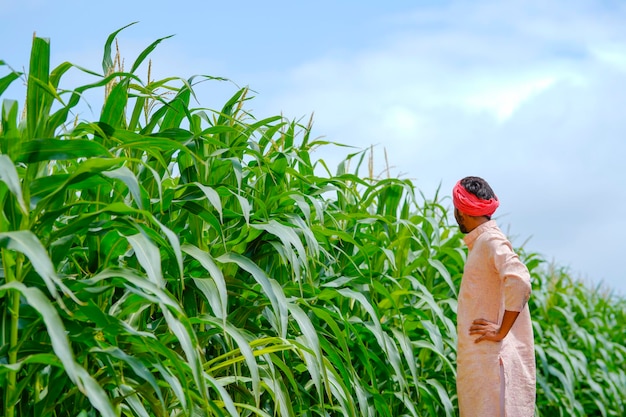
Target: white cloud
[(503, 100), (612, 54), (529, 96), (400, 122)]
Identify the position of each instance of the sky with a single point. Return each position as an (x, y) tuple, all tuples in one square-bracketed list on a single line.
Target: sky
[(530, 95)]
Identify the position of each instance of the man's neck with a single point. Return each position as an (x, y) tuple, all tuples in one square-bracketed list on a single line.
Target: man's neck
[(474, 222)]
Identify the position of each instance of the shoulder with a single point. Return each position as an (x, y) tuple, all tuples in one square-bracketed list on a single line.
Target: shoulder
[(492, 236), (493, 243)]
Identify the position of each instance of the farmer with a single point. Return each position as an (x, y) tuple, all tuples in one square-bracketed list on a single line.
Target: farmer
[(495, 355)]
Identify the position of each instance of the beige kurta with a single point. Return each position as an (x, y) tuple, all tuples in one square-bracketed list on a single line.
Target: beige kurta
[(488, 373)]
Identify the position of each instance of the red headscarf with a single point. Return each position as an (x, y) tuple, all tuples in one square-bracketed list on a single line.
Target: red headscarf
[(468, 203)]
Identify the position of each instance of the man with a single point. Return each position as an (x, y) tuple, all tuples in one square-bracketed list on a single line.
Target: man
[(495, 355)]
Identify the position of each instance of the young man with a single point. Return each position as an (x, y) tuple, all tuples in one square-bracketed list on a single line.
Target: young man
[(495, 355)]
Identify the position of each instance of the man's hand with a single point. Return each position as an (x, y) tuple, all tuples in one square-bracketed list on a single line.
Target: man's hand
[(486, 330)]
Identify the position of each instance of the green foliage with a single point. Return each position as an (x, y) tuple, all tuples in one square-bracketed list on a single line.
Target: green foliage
[(581, 351), (171, 260)]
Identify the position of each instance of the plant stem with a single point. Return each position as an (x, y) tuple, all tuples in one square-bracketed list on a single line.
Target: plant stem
[(14, 310)]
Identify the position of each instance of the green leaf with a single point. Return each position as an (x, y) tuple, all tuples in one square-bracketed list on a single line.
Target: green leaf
[(204, 214), (156, 145), (289, 239), (174, 383), (279, 309), (127, 177), (107, 60), (174, 242), (445, 274), (8, 175), (26, 242), (443, 396), (225, 398), (144, 54), (39, 150), (115, 105), (245, 350), (187, 341), (215, 289), (316, 367), (136, 365), (86, 170), (38, 358), (212, 196), (148, 256), (407, 350), (57, 73), (177, 109), (38, 100), (133, 400), (61, 346), (7, 80), (245, 205), (8, 126)]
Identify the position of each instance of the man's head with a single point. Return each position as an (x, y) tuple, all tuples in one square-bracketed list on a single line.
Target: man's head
[(474, 203)]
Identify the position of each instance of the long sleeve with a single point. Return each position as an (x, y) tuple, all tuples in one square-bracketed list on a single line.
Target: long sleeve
[(514, 274)]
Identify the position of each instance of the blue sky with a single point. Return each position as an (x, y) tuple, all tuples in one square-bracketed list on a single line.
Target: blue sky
[(531, 95)]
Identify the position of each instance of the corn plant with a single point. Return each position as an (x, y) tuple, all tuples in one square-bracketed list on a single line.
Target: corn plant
[(171, 259), (581, 350)]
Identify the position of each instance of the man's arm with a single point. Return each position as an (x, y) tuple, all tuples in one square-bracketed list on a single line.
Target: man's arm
[(491, 331)]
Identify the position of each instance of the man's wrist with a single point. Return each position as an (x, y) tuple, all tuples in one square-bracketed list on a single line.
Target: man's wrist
[(500, 334)]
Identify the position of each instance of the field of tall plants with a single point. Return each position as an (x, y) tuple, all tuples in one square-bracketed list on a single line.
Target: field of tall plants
[(170, 259)]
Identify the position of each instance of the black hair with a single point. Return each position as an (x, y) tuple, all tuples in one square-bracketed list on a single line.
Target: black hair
[(479, 187)]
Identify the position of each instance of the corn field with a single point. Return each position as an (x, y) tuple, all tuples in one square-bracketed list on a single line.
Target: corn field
[(168, 259)]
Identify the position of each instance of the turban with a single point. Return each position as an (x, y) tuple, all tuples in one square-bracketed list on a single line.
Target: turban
[(468, 203)]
